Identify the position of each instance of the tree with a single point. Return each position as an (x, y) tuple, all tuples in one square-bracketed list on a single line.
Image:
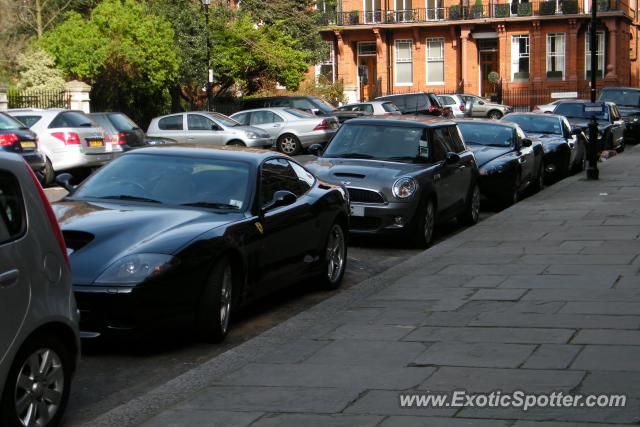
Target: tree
[(38, 71), (40, 15)]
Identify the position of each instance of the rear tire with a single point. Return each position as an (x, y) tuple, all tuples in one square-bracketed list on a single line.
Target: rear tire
[(471, 213), (334, 257), (289, 144), (43, 366), (216, 304), (425, 225), (494, 114)]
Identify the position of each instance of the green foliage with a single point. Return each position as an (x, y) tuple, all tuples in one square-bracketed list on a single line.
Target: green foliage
[(569, 7), (525, 9), (548, 7), (503, 10), (38, 72)]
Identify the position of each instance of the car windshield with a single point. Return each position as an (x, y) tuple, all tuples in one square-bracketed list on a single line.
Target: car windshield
[(622, 97), (299, 113), (538, 123), (575, 110), (9, 123), (380, 142), (489, 134), (171, 180), (224, 120), (29, 120), (323, 105)]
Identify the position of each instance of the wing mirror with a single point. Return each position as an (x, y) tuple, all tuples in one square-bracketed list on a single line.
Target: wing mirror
[(452, 159), (526, 143), (280, 198), (215, 127), (468, 108), (64, 179), (316, 150)]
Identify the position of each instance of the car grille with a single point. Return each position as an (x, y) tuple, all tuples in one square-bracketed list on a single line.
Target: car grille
[(364, 223), (359, 195)]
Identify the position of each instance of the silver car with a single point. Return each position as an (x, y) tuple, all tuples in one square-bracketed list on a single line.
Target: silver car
[(292, 129), (484, 108), (201, 127), (68, 139), (455, 103), (376, 108), (39, 339)]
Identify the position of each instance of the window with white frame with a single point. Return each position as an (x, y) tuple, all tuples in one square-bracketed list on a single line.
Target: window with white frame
[(600, 55), (520, 58), (404, 10), (555, 56), (404, 63), (367, 49), (435, 61), (326, 70), (372, 10)]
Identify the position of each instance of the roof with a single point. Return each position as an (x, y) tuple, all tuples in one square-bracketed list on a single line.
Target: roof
[(620, 88), (405, 121), (404, 94), (557, 116), (487, 122), (250, 155)]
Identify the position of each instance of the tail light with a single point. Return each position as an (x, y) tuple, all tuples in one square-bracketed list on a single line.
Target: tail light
[(53, 222), (462, 107), (119, 139), (433, 109), (69, 138), (8, 139), (324, 125)]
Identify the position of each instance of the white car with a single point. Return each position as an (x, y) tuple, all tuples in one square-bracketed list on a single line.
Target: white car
[(68, 139), (455, 102), (547, 108), (39, 338), (376, 108)]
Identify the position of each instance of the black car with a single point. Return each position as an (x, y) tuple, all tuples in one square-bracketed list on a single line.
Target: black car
[(564, 146), (627, 99), (509, 162), (611, 127), (184, 235), (403, 175), (118, 128), (16, 137), (416, 103), (310, 104)]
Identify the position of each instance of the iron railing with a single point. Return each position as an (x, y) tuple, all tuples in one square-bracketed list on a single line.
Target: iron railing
[(30, 98)]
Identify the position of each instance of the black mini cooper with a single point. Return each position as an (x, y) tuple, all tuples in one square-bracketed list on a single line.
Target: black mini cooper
[(403, 174)]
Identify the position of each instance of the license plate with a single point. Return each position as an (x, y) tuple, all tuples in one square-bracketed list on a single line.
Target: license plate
[(357, 210), (28, 145), (96, 143)]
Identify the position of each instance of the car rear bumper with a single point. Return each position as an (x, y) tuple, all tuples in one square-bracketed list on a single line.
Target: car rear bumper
[(34, 159), (72, 160), (384, 219)]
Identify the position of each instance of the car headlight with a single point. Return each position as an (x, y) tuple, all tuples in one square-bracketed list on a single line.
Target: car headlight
[(137, 268), (490, 170), (252, 135), (404, 187)]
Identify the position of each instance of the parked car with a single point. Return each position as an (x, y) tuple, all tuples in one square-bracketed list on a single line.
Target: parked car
[(68, 139), (455, 103), (611, 127), (118, 128), (403, 175), (420, 103), (375, 108), (39, 341), (310, 104), (627, 99), (185, 235), (484, 108), (509, 162), (547, 108), (201, 127), (564, 146), (293, 130), (16, 137)]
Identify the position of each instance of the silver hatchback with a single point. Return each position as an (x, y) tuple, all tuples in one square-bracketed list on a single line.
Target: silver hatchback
[(39, 340), (201, 127)]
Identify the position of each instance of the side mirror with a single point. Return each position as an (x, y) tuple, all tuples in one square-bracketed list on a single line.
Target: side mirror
[(215, 127), (526, 143), (315, 149), (280, 198), (64, 179), (481, 102), (452, 159), (468, 108)]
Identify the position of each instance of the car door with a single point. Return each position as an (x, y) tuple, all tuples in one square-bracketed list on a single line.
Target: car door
[(618, 125), (15, 263), (444, 178), (288, 231), (203, 130), (463, 178), (172, 127), (269, 121), (526, 159), (479, 107), (572, 141)]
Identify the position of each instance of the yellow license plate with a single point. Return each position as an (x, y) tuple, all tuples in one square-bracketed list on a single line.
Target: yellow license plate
[(96, 143), (28, 144)]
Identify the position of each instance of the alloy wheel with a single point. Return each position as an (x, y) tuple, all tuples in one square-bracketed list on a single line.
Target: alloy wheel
[(335, 253), (39, 388), (225, 298), (288, 145)]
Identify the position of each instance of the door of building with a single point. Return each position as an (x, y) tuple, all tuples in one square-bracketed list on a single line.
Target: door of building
[(367, 76), (488, 58)]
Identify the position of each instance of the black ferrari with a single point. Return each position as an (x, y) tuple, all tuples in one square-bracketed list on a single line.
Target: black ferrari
[(509, 162), (185, 235)]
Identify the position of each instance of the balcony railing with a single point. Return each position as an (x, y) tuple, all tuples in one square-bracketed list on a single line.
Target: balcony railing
[(457, 12)]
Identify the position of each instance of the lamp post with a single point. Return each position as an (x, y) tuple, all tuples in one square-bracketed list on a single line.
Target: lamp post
[(206, 4), (592, 167)]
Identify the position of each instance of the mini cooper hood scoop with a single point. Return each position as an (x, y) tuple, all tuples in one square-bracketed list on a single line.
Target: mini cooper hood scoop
[(348, 171)]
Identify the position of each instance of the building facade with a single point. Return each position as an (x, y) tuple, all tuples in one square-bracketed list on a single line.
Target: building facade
[(381, 47)]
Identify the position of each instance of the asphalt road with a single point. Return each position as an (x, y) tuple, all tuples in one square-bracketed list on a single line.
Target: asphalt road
[(114, 372)]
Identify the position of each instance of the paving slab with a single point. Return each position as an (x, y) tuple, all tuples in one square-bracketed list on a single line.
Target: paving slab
[(203, 418), (552, 356), (475, 354), (496, 335), (399, 421), (316, 420), (604, 336), (608, 358)]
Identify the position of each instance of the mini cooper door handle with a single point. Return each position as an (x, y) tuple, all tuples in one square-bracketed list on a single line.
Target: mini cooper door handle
[(9, 278)]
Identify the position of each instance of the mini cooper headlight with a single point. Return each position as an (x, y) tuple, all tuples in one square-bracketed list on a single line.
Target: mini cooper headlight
[(404, 187), (137, 268), (490, 170)]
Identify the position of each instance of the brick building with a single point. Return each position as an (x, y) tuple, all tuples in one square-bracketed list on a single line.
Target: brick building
[(393, 46)]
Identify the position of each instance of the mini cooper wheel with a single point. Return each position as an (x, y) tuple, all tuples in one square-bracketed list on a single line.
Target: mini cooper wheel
[(289, 144), (471, 213), (214, 313), (37, 387), (335, 257), (425, 225)]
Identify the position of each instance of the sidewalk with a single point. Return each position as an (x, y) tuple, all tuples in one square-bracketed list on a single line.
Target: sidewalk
[(542, 297)]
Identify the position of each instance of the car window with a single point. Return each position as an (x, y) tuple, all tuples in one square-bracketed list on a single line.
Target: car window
[(483, 133), (439, 148), (576, 110), (12, 213), (278, 102), (278, 175), (399, 101), (622, 97), (456, 139), (171, 123), (9, 123), (103, 122), (222, 120), (390, 107), (349, 108), (302, 104), (442, 135), (447, 100), (29, 120), (198, 122), (520, 133), (299, 113), (71, 119), (242, 118), (306, 178), (122, 122), (566, 129), (264, 117), (537, 123)]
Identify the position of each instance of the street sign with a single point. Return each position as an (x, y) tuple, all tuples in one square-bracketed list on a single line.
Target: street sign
[(563, 95), (594, 108)]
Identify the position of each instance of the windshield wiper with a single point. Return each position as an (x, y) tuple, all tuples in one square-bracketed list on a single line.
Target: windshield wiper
[(129, 197), (354, 156), (211, 205), (401, 158)]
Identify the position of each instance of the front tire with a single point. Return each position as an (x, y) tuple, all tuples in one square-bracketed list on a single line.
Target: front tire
[(494, 114), (471, 213), (216, 304), (538, 184), (37, 388), (334, 257), (47, 175), (425, 225), (289, 145)]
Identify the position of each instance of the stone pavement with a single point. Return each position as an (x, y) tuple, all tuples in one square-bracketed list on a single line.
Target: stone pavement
[(542, 297)]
